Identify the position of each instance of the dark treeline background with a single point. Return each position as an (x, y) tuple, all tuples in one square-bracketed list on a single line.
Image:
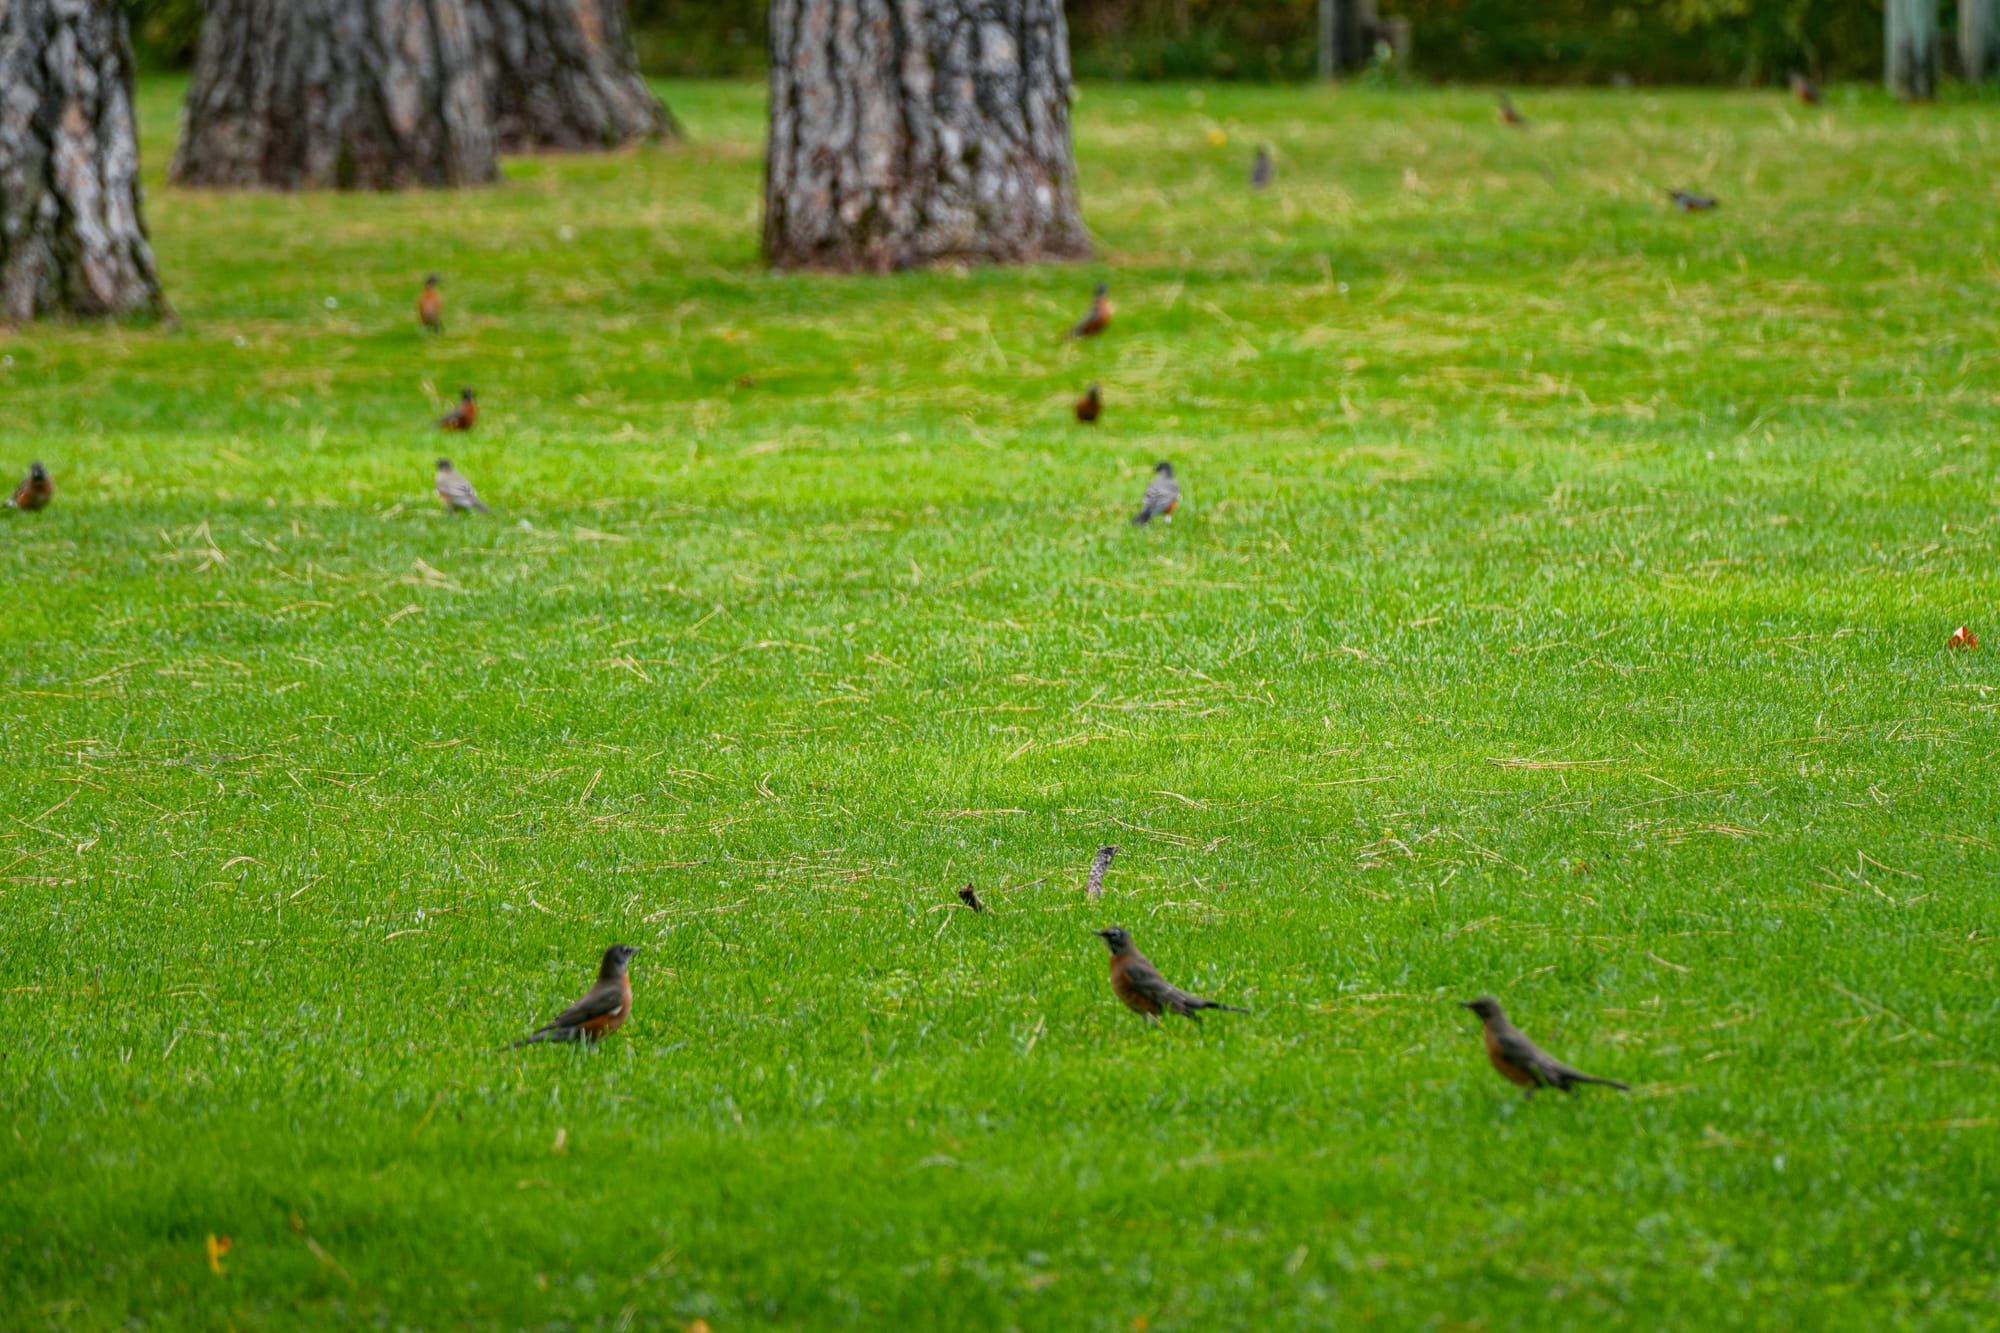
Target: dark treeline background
[(1510, 41)]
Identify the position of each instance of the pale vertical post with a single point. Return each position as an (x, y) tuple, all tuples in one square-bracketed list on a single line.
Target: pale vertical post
[(1910, 34), (1979, 39)]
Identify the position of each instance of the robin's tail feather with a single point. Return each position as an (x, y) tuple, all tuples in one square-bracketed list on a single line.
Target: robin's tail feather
[(546, 1034), (481, 507), (1575, 1078), (1143, 516), (1216, 1004)]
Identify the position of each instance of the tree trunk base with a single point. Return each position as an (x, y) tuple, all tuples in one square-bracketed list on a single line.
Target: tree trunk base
[(72, 218), (914, 132)]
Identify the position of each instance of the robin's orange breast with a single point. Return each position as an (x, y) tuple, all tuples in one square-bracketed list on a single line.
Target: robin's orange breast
[(1135, 999), (595, 1029), (1507, 1068)]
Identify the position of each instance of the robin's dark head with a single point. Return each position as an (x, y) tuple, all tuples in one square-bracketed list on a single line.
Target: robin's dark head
[(1092, 393), (465, 395), (1486, 1007), (432, 279), (1103, 290), (38, 472), (616, 959), (444, 465), (1117, 938), (1163, 469)]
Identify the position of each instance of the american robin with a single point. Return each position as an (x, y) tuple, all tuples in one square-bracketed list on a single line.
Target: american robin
[(1260, 168), (35, 490), (1805, 89), (1520, 1060), (1090, 406), (1099, 318), (456, 491), (1509, 115), (1142, 988), (1094, 887), (970, 897), (430, 306), (602, 1010), (462, 417), (1163, 493), (1689, 202)]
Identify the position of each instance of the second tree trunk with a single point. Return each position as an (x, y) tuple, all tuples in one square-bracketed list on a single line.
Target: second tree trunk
[(350, 94), (908, 132), (561, 74)]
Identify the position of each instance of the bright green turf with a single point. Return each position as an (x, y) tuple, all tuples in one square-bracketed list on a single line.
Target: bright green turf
[(1559, 609)]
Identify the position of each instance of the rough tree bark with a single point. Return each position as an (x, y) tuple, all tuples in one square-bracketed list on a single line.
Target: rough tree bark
[(1910, 33), (562, 75), (907, 132), (72, 220), (349, 94), (1979, 39)]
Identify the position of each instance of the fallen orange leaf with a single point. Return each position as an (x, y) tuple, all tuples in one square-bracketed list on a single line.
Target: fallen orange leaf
[(217, 1247), (1963, 637)]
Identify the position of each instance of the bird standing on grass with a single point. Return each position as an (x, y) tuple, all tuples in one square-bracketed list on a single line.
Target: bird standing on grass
[(1805, 89), (430, 306), (1099, 318), (1687, 201), (1520, 1060), (1139, 984), (1163, 494), (462, 417), (1260, 168), (1509, 115), (1090, 406), (35, 491), (601, 1012), (456, 491)]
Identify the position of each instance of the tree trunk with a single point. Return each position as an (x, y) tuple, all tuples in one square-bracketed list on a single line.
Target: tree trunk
[(1979, 39), (72, 218), (349, 94), (908, 132), (1910, 28), (562, 74)]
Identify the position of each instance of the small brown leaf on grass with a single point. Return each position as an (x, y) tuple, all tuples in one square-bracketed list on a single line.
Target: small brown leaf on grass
[(970, 898), (1963, 638), (217, 1247)]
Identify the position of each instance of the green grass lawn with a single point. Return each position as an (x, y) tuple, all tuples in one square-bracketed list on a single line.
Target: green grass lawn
[(1558, 609)]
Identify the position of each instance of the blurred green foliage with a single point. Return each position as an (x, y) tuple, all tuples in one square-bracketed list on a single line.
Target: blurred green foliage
[(1514, 41)]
